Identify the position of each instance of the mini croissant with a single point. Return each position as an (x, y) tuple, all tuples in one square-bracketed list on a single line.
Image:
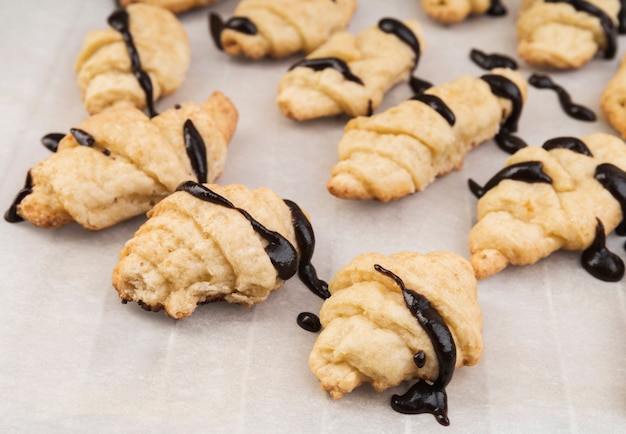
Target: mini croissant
[(350, 74), (566, 34), (374, 329), (613, 100), (548, 198), (119, 163), (400, 151), (144, 55), (454, 11), (207, 243), (175, 6), (280, 28)]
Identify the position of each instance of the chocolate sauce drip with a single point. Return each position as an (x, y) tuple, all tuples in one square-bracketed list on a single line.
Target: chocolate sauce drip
[(370, 108), (51, 141), (621, 18), (119, 20), (82, 137), (282, 254), (424, 397), (491, 61), (509, 143), (305, 237), (11, 214), (605, 23), (420, 359), (418, 85), (505, 88), (575, 111), (309, 322), (238, 24), (571, 143), (406, 35), (614, 180), (321, 63), (196, 151), (496, 9), (599, 261), (526, 171), (438, 105)]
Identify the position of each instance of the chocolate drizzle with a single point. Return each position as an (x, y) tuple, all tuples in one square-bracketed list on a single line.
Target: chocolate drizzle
[(438, 105), (406, 35), (119, 20), (496, 9), (196, 151), (605, 23), (418, 85), (570, 143), (238, 24), (599, 261), (82, 137), (614, 180), (321, 63), (425, 397), (51, 141), (309, 322), (621, 18), (575, 111), (11, 214), (526, 171), (491, 61)]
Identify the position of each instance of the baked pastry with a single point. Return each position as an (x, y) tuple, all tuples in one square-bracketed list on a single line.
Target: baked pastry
[(144, 55), (395, 318), (400, 151), (350, 74), (119, 163), (206, 243), (613, 100), (454, 11), (175, 6), (280, 28), (548, 198), (566, 34)]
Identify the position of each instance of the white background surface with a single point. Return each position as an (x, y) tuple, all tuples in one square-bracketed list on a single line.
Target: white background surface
[(74, 359)]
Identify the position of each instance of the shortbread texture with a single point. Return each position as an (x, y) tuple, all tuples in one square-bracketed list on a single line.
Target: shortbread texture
[(520, 223), (135, 162), (555, 35), (454, 11), (613, 100), (370, 336), (103, 66), (400, 151), (191, 251), (176, 6), (286, 27), (381, 60)]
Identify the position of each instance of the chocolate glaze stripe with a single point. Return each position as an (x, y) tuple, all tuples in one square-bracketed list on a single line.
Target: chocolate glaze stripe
[(418, 85), (196, 151), (321, 63), (11, 215), (496, 9), (438, 105), (83, 137), (575, 111), (599, 261), (51, 141), (406, 35), (614, 180), (570, 143), (309, 322), (424, 397), (505, 88), (119, 20), (621, 18), (526, 171), (491, 61), (239, 24)]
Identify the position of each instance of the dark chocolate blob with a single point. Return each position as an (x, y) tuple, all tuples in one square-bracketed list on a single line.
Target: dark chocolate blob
[(305, 237), (599, 261), (420, 359), (418, 85), (51, 141), (491, 61), (11, 214), (424, 397), (606, 23), (309, 322), (281, 252), (438, 105), (82, 137), (509, 143), (216, 27), (321, 63), (575, 111), (196, 151), (526, 171), (406, 35), (496, 9), (119, 20), (571, 143), (238, 24), (614, 180)]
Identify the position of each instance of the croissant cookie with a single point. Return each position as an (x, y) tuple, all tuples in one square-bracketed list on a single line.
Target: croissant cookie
[(567, 194), (613, 100), (395, 318), (207, 243), (143, 56), (454, 11), (350, 74), (119, 163), (175, 6), (400, 151), (567, 34), (280, 28)]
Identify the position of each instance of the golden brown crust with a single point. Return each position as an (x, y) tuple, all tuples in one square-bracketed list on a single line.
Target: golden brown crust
[(371, 336), (454, 11), (134, 162), (175, 6)]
